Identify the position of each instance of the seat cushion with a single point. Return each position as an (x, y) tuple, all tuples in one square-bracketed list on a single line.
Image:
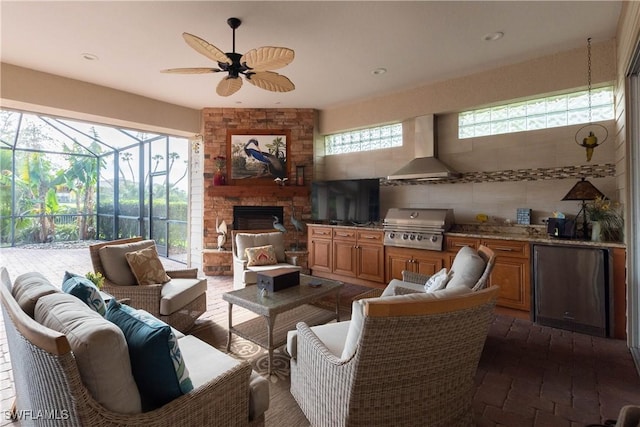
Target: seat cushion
[(332, 335), (146, 266), (114, 262), (390, 290), (28, 288), (99, 348), (250, 240), (466, 269), (158, 367), (179, 292), (261, 255), (206, 363), (85, 290)]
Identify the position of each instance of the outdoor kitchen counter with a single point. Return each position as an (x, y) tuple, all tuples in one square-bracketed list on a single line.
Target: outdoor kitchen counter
[(534, 238)]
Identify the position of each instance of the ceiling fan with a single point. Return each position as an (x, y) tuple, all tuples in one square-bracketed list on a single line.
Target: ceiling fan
[(255, 65)]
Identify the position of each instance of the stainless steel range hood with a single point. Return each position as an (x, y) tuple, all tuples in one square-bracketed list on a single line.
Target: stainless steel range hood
[(425, 166)]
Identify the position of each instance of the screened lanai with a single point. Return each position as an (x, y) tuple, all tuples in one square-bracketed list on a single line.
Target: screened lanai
[(67, 180)]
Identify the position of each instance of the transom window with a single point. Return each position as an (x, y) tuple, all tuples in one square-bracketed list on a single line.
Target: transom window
[(369, 139), (541, 113)]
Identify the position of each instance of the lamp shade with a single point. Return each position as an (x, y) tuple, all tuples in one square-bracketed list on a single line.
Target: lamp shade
[(583, 190)]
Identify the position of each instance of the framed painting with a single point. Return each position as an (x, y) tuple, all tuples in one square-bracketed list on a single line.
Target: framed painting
[(258, 156)]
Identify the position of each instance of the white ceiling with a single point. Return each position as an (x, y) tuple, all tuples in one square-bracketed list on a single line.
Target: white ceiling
[(337, 44)]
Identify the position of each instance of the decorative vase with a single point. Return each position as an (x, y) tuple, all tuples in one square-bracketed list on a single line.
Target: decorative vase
[(219, 178), (596, 231)]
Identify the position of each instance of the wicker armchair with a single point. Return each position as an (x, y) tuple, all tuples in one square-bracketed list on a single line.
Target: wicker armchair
[(413, 362), (48, 382), (150, 297), (485, 253)]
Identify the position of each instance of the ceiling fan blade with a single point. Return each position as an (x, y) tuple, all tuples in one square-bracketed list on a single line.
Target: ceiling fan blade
[(191, 70), (206, 48), (267, 58), (228, 86), (271, 81)]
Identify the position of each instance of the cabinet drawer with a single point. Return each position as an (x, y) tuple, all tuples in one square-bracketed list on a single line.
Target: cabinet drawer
[(320, 232), (510, 248), (455, 243), (342, 234), (369, 236)]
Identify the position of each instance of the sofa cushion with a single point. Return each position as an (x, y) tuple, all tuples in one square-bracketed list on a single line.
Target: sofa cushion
[(115, 265), (84, 289), (206, 363), (146, 266), (466, 269), (261, 255), (249, 240), (29, 287), (99, 348), (437, 281), (179, 292), (156, 360)]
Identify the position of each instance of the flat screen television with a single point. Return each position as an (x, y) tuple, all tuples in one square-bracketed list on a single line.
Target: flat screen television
[(352, 201)]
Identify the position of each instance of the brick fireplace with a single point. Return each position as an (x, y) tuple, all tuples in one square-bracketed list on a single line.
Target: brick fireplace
[(220, 200)]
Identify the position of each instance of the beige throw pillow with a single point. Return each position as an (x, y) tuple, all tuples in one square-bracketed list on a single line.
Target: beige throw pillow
[(261, 255), (146, 266)]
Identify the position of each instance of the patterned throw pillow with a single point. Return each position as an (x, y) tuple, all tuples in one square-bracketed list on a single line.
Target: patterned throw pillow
[(437, 281), (156, 361), (261, 255), (85, 290), (146, 266)]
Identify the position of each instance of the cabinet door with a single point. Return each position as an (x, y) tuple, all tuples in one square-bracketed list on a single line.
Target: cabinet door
[(320, 255), (426, 264), (513, 277), (344, 260), (396, 263), (371, 262)]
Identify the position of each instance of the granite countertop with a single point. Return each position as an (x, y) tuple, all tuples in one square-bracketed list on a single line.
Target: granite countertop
[(527, 233)]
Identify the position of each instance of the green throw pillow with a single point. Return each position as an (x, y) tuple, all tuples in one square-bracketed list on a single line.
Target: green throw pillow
[(85, 289), (156, 361)]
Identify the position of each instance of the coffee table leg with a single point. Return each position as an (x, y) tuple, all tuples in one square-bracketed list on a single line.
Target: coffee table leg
[(270, 323), (229, 330)]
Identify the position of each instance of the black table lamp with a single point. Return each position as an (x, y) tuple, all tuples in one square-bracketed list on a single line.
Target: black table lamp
[(583, 191)]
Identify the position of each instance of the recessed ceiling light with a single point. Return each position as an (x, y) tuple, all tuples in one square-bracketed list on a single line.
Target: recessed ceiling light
[(491, 37), (90, 56), (379, 71)]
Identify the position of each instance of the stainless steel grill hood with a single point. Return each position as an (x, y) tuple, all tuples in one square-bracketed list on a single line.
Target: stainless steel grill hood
[(425, 166)]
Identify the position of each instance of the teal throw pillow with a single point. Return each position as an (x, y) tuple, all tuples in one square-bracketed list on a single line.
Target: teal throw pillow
[(85, 290), (156, 362)]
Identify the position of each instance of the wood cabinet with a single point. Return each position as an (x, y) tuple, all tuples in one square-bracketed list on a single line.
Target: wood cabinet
[(319, 244), (415, 260), (512, 269), (349, 254), (512, 272)]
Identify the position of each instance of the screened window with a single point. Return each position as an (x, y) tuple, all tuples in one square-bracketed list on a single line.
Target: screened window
[(369, 139), (541, 113)]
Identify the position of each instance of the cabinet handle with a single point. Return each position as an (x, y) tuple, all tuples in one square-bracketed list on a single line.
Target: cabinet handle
[(369, 237), (343, 234), (459, 245), (503, 249)]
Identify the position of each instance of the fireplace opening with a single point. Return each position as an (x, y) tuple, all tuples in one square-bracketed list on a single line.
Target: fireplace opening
[(256, 217)]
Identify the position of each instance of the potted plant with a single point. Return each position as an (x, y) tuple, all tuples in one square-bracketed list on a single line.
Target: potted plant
[(606, 220)]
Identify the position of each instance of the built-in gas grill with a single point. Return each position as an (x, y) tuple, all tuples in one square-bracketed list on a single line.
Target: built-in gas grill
[(417, 228)]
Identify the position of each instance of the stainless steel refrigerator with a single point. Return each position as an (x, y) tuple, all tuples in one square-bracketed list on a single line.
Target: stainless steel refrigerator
[(571, 288)]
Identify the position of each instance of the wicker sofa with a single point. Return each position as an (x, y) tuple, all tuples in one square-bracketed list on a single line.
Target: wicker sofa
[(51, 376)]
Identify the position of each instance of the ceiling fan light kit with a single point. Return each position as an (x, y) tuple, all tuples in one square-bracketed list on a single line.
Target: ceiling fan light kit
[(256, 65)]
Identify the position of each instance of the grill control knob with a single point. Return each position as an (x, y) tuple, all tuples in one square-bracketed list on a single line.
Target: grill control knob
[(412, 237), (392, 235), (405, 236), (434, 239), (419, 237)]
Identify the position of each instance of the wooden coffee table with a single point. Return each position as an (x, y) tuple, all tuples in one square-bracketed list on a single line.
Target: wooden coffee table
[(281, 311)]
